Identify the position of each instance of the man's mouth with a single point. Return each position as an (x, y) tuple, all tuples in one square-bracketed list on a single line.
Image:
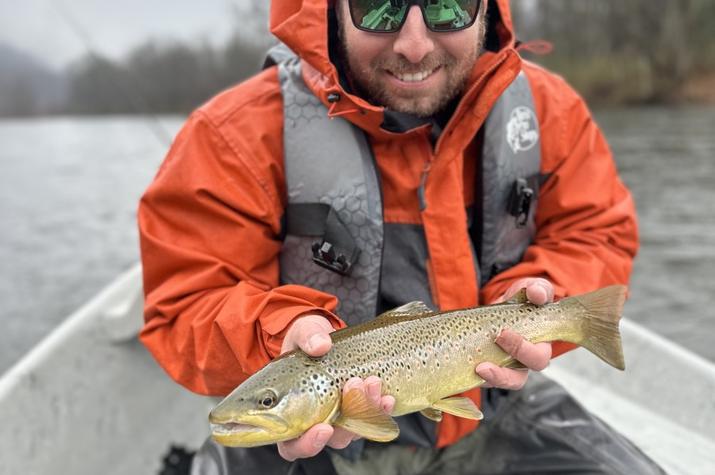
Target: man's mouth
[(413, 77)]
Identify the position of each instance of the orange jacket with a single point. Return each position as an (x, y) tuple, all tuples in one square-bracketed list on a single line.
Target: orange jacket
[(210, 222)]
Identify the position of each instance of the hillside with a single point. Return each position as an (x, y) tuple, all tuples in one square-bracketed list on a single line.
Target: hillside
[(27, 86)]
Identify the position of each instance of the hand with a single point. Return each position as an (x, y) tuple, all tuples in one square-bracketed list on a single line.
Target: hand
[(311, 333), (539, 291), (534, 356)]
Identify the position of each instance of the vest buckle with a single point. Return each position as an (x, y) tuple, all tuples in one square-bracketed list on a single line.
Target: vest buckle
[(520, 203), (326, 256)]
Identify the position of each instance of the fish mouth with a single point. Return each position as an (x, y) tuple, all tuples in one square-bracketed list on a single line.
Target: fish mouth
[(248, 434), (234, 428)]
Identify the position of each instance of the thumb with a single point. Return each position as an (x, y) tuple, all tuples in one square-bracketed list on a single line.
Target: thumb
[(310, 333)]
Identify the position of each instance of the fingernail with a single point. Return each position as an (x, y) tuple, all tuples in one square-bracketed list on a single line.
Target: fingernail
[(321, 438), (314, 342)]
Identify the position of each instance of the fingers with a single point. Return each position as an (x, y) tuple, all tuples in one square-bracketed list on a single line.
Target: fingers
[(341, 438), (533, 356), (310, 333), (320, 435), (504, 378), (539, 291), (387, 404), (372, 387), (308, 444)]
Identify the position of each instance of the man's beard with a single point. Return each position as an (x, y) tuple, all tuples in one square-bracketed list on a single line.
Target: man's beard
[(370, 87)]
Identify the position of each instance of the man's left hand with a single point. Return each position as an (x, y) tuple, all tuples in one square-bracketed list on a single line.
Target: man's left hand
[(534, 356)]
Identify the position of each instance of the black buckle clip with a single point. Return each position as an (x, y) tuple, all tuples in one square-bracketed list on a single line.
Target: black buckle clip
[(520, 202), (325, 255)]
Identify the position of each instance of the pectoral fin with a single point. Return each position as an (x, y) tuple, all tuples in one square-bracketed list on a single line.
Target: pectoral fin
[(432, 413), (358, 415), (460, 407)]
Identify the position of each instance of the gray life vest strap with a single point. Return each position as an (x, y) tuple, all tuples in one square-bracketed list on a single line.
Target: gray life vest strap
[(334, 212), (509, 181)]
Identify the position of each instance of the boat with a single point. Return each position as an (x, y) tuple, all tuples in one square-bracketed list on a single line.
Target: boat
[(90, 399)]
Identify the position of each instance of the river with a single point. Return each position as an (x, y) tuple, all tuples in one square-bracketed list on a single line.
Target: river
[(69, 189)]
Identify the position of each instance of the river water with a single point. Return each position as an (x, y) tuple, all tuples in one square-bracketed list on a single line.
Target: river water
[(69, 189)]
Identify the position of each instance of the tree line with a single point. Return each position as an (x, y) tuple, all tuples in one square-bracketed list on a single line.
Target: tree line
[(159, 78), (616, 51), (611, 51)]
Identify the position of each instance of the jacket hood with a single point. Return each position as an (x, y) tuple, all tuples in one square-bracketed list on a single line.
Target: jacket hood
[(303, 26)]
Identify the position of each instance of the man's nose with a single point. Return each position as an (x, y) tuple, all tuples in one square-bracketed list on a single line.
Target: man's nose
[(413, 40)]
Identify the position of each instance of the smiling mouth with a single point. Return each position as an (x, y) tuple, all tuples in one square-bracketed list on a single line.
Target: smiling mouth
[(413, 77)]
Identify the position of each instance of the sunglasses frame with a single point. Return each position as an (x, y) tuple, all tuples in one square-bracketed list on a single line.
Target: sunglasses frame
[(423, 9)]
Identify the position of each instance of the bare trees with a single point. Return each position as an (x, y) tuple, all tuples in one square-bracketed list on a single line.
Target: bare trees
[(618, 51)]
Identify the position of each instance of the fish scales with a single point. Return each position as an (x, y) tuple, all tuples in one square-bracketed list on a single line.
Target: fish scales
[(427, 359), (422, 357)]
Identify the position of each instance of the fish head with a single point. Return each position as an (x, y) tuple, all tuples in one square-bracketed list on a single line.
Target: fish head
[(279, 402)]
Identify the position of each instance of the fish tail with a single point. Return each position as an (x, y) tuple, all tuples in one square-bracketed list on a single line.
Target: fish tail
[(603, 312)]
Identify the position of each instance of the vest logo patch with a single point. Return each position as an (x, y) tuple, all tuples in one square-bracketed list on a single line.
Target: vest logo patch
[(522, 132)]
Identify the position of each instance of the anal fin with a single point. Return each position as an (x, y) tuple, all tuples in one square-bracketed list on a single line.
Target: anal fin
[(460, 407), (432, 414)]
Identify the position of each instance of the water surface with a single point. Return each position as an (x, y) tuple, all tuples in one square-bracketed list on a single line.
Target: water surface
[(69, 189)]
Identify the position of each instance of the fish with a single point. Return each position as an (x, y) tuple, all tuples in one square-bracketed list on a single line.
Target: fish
[(424, 359)]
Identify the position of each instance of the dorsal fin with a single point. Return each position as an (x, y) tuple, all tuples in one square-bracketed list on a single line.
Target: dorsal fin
[(410, 309)]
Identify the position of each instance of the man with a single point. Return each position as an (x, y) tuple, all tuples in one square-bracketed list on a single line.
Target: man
[(229, 225)]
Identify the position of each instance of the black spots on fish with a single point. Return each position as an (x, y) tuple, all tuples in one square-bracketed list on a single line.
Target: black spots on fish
[(315, 376)]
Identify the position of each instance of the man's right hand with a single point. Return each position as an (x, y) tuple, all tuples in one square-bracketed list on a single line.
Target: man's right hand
[(311, 333)]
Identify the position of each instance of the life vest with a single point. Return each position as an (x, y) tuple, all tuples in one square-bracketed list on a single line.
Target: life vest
[(334, 232)]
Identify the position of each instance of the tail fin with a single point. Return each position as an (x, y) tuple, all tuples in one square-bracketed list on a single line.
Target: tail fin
[(603, 312)]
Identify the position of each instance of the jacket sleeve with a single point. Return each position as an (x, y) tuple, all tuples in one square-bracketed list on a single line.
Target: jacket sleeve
[(214, 310), (586, 223)]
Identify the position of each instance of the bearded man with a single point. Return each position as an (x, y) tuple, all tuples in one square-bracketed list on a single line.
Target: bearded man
[(390, 151)]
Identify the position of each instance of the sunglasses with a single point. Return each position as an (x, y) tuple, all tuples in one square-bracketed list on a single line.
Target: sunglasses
[(388, 16)]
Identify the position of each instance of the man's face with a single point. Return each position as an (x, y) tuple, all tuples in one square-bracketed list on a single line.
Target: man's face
[(414, 70)]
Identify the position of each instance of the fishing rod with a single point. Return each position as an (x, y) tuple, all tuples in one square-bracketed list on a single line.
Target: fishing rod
[(134, 98)]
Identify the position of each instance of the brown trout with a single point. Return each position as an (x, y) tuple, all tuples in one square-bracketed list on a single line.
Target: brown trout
[(423, 357)]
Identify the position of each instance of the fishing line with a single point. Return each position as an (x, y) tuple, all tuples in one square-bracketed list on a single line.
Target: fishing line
[(134, 98)]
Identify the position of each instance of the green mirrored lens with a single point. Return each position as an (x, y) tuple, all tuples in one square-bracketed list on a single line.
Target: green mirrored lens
[(379, 15), (388, 15), (446, 15)]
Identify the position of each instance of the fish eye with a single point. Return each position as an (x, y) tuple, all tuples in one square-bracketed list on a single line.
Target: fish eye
[(268, 399)]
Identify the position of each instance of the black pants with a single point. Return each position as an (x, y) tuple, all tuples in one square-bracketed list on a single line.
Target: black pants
[(538, 430)]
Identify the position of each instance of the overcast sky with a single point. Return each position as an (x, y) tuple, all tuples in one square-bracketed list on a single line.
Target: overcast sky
[(112, 26)]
